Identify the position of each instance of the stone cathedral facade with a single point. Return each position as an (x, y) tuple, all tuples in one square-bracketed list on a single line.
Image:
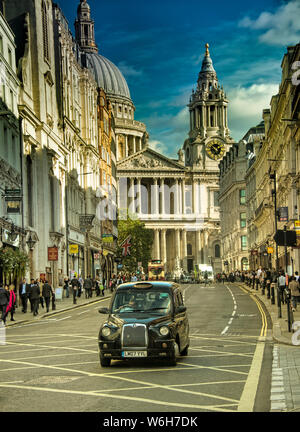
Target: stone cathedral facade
[(178, 199)]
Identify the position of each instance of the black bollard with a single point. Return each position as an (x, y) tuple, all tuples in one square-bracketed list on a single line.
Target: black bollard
[(279, 302), (272, 294)]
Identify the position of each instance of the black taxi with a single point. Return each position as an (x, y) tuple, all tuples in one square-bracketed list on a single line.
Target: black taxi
[(145, 320)]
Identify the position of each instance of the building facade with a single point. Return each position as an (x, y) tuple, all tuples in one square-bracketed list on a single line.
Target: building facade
[(178, 199), (63, 128), (233, 210), (275, 172), (11, 209)]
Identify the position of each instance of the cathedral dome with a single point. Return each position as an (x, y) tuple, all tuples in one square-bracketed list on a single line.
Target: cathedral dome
[(107, 75)]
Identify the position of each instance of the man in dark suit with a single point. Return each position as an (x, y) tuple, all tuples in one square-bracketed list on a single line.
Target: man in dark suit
[(23, 294), (47, 293), (35, 293), (75, 287)]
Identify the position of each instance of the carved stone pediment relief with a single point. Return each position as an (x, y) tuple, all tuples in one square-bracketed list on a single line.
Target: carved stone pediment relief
[(147, 161)]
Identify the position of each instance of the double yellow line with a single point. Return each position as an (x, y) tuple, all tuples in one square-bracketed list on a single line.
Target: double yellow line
[(263, 332)]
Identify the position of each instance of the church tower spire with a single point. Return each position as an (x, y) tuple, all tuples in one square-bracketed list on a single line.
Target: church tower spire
[(85, 28), (208, 116)]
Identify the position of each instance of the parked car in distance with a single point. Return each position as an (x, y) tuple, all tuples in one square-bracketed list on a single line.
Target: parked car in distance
[(145, 320)]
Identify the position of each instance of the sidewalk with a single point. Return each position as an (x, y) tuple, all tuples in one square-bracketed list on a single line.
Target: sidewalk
[(61, 305), (281, 333)]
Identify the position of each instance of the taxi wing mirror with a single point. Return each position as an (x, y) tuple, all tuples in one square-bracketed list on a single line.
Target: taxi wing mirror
[(180, 309)]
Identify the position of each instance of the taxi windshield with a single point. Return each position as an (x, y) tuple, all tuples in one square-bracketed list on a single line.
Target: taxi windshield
[(135, 300)]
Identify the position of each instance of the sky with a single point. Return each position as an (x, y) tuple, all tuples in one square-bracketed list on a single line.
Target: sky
[(159, 46)]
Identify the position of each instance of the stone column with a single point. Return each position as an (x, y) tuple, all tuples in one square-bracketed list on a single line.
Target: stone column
[(177, 198), (126, 146), (156, 244), (183, 197), (162, 188), (139, 195), (177, 243), (134, 144), (184, 250), (132, 196), (198, 245), (156, 196), (163, 246)]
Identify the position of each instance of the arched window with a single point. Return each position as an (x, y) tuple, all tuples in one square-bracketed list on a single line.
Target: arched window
[(217, 251), (45, 31)]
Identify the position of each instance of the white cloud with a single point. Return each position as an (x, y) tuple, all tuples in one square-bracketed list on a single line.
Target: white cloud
[(279, 28), (128, 70), (246, 106), (157, 146)]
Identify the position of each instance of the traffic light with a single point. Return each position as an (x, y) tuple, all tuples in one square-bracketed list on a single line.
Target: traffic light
[(291, 239)]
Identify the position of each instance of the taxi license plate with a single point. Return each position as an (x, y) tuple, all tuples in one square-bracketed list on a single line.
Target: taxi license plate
[(134, 354)]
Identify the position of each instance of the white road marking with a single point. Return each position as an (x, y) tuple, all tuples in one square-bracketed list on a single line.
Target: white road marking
[(233, 313)]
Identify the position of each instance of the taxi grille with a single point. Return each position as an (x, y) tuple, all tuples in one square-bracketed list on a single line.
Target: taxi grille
[(134, 335)]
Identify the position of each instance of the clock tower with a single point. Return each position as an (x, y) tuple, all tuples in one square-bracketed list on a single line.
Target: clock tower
[(209, 136)]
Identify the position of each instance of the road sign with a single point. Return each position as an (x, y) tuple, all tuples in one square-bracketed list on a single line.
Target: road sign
[(52, 253), (86, 221), (270, 250), (290, 238), (107, 238), (283, 214), (73, 249), (12, 192)]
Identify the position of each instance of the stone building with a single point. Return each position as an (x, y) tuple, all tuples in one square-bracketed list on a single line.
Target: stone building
[(62, 128), (178, 199), (275, 170), (233, 210), (11, 212)]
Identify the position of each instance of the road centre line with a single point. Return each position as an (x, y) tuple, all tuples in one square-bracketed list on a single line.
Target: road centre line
[(233, 313)]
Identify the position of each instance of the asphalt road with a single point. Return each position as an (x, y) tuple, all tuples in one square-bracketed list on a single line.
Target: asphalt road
[(52, 364)]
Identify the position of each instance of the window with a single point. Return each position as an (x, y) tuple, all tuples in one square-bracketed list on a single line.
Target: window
[(217, 251), (1, 44), (242, 196), (9, 57), (244, 242), (189, 249), (242, 220), (45, 31)]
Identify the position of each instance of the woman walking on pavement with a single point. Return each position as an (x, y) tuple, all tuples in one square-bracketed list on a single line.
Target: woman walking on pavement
[(11, 303)]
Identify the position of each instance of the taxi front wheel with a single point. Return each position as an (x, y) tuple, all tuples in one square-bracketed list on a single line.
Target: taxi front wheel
[(172, 360), (105, 362)]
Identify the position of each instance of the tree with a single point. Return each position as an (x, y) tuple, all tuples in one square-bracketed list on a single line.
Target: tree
[(14, 264), (141, 243)]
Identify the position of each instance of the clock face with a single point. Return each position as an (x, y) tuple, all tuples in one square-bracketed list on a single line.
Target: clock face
[(215, 149)]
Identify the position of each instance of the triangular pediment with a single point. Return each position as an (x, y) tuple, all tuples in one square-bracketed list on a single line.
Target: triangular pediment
[(148, 159)]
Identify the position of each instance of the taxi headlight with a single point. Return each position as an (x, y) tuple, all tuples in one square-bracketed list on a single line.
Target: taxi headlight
[(106, 331), (164, 330)]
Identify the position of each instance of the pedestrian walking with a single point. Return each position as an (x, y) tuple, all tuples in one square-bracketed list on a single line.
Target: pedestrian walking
[(35, 293), (75, 287), (23, 294), (66, 286), (281, 286), (11, 302), (97, 287), (4, 300), (79, 292), (47, 293), (295, 292), (88, 285), (102, 289), (29, 294)]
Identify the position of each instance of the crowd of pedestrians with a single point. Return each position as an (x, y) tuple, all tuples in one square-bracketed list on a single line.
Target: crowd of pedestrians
[(266, 280)]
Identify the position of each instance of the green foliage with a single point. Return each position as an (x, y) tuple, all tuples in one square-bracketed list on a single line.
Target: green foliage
[(141, 243), (14, 263)]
